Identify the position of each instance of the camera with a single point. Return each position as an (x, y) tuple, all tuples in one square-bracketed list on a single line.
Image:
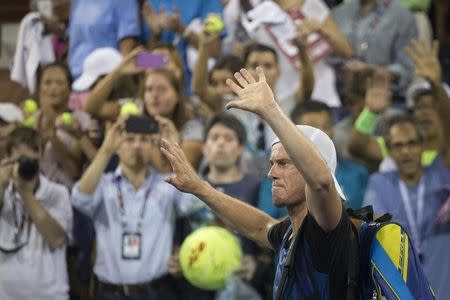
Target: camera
[(28, 167), (142, 125)]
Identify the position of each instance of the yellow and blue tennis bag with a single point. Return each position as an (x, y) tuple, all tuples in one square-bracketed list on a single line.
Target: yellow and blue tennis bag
[(388, 263)]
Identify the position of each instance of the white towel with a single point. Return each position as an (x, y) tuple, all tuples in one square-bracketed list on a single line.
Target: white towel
[(32, 49)]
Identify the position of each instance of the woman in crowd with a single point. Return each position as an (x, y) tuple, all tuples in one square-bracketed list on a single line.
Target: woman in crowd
[(162, 96)]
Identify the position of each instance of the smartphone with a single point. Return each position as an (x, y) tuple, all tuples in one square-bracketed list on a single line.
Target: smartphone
[(151, 60), (141, 124), (45, 7)]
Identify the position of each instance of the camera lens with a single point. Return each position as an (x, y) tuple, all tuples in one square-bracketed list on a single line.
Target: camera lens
[(28, 168)]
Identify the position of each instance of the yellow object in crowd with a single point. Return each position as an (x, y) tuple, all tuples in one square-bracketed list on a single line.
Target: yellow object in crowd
[(67, 118), (29, 109), (129, 109), (214, 23)]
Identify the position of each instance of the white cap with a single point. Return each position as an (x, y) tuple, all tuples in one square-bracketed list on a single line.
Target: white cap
[(9, 112), (326, 148), (418, 87), (99, 62)]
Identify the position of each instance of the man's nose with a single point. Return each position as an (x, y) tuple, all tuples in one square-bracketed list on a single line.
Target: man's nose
[(272, 172)]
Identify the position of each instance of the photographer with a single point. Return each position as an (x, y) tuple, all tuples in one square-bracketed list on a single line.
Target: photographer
[(133, 210), (35, 222)]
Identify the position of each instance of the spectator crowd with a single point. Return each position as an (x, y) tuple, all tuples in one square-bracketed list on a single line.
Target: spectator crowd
[(85, 211)]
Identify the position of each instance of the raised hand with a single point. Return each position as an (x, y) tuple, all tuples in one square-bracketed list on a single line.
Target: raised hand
[(173, 22), (128, 63), (153, 20), (185, 178), (307, 26), (301, 38), (115, 136), (254, 96), (70, 125), (167, 129), (426, 60), (378, 94), (206, 37)]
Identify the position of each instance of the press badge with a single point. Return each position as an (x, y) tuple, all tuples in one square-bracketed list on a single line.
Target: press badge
[(131, 245)]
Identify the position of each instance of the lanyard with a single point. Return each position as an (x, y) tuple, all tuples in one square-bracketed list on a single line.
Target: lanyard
[(19, 222), (414, 221), (122, 206)]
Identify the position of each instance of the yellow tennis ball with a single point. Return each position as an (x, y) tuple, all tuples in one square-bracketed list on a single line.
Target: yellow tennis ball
[(29, 106), (67, 118), (208, 257), (129, 108), (213, 23), (30, 121)]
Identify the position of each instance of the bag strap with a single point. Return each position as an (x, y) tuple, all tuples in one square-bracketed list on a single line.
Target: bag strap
[(366, 214), (353, 263), (287, 264)]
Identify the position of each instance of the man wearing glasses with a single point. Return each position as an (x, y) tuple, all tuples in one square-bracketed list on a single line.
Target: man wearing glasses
[(413, 195)]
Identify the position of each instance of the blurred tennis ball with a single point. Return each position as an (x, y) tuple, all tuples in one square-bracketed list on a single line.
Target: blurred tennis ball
[(30, 121), (129, 109), (214, 23), (208, 257), (67, 118), (29, 106)]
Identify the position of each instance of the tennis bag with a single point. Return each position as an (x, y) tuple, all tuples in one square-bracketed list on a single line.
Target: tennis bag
[(388, 263), (389, 267)]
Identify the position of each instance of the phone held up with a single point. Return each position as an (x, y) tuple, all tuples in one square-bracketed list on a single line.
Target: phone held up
[(142, 125), (151, 60)]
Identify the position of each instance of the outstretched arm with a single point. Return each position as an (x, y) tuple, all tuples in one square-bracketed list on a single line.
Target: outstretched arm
[(378, 98), (428, 67), (91, 177), (323, 201), (306, 84), (200, 84), (249, 221), (97, 103)]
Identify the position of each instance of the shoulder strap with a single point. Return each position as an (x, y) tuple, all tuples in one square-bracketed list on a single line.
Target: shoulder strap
[(287, 264), (366, 214), (353, 264)]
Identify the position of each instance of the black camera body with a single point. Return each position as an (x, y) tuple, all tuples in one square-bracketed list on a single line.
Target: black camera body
[(142, 125), (28, 168)]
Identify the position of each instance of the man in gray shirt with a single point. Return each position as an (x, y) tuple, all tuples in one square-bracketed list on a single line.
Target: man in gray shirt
[(379, 31), (35, 224)]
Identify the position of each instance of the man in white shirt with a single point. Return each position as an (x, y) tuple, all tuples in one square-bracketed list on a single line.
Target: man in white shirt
[(35, 224), (134, 211)]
